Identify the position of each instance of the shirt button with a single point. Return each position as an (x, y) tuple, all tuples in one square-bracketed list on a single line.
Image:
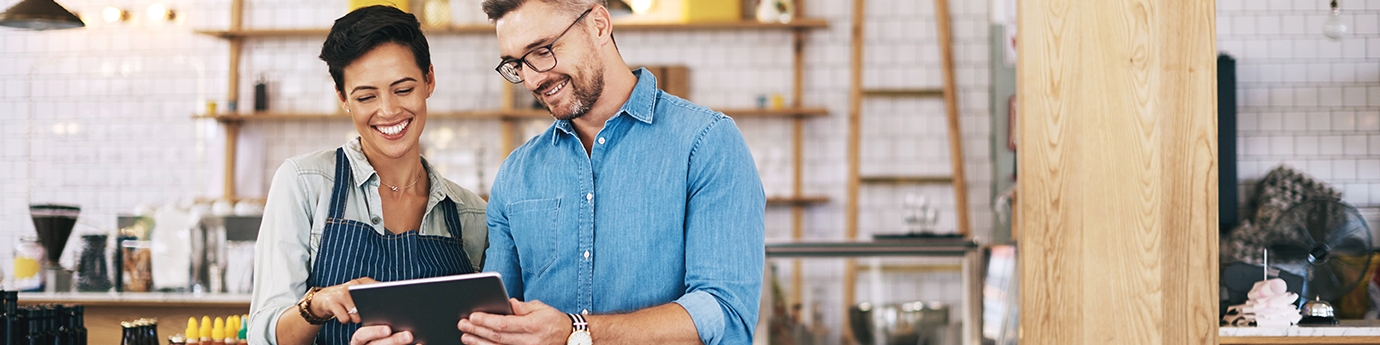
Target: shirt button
[(586, 255), (589, 197), (375, 219), (584, 312), (601, 140)]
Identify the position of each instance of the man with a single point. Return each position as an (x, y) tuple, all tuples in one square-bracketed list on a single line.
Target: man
[(637, 211), (637, 218)]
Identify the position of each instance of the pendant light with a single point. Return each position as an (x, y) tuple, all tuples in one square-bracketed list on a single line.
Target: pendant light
[(39, 15), (1334, 28)]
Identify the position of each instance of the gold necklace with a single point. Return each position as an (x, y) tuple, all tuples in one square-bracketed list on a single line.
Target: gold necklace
[(396, 188)]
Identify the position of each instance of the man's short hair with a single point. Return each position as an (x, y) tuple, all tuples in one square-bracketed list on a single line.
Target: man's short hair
[(496, 9), (365, 28)]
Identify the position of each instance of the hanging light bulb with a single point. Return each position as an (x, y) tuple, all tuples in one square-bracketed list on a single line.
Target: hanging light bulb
[(1334, 28)]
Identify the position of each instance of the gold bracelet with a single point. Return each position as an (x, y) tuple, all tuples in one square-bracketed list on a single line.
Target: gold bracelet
[(304, 307)]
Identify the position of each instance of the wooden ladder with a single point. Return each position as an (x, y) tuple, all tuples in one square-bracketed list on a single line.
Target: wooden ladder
[(949, 93), (958, 179)]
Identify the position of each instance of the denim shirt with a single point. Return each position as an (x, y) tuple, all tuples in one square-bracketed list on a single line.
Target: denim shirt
[(667, 207)]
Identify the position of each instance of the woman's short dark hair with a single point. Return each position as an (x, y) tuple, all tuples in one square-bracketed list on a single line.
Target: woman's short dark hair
[(365, 28)]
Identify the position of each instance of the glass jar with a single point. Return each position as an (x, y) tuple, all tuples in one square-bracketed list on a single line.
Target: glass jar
[(28, 268)]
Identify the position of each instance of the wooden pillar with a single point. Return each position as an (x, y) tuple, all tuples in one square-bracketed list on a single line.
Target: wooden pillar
[(1118, 171)]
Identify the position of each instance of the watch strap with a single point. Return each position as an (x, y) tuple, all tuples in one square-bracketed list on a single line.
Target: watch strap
[(578, 323), (304, 308)]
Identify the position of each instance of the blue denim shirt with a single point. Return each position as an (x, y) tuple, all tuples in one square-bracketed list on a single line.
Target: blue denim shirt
[(667, 207)]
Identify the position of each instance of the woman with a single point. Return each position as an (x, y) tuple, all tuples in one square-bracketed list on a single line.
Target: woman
[(371, 209)]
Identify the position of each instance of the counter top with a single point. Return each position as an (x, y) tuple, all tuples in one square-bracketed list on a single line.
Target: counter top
[(1347, 332), (137, 299), (950, 247)]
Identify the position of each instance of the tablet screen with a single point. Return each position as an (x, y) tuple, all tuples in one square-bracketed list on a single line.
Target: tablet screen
[(430, 308)]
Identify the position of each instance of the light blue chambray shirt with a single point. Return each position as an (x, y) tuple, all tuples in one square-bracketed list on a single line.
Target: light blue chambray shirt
[(668, 207)]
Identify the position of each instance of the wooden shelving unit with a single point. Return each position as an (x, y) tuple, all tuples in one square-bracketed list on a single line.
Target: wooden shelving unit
[(498, 114), (236, 35), (807, 23)]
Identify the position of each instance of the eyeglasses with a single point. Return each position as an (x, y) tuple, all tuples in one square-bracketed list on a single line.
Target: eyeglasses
[(541, 59)]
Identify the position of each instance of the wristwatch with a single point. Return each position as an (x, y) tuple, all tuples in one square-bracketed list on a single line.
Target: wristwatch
[(304, 307), (579, 335)]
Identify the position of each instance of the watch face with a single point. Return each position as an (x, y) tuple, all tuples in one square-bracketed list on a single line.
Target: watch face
[(579, 338)]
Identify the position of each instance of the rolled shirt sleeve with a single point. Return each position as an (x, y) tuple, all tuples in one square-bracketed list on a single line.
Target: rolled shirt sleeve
[(724, 229)]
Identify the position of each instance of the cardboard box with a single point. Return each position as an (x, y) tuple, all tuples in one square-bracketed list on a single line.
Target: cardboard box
[(689, 11)]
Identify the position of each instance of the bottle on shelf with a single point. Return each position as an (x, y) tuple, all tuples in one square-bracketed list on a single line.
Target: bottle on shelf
[(244, 329), (232, 329), (127, 334), (5, 315), (49, 322), (218, 332), (35, 329), (204, 334), (192, 332), (19, 324), (261, 93), (62, 333), (78, 325)]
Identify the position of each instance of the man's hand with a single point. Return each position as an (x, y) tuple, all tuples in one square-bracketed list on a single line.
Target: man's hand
[(334, 301), (380, 335), (532, 323)]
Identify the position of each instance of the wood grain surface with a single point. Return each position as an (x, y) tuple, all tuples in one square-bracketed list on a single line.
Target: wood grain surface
[(1118, 175)]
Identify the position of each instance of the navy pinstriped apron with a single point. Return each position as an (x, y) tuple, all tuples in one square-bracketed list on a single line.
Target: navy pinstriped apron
[(351, 249)]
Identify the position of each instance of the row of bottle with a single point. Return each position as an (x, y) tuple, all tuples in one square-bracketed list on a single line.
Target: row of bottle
[(139, 332), (224, 331), (41, 324)]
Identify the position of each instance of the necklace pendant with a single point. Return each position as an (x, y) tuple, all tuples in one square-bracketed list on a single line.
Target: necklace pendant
[(393, 188)]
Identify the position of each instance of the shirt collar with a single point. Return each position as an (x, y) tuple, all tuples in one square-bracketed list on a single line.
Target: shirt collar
[(641, 104), (366, 176)]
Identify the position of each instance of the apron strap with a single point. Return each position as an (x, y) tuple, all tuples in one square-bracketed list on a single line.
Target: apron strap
[(342, 185)]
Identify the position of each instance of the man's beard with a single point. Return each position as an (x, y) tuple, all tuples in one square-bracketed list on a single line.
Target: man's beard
[(586, 92)]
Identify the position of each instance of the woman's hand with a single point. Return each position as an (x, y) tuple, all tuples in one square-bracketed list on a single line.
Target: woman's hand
[(335, 301), (380, 335)]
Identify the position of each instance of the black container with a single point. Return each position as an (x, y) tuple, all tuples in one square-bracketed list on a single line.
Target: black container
[(7, 310), (93, 274), (261, 94)]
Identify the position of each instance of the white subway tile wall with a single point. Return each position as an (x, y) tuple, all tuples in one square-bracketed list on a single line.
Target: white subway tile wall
[(1303, 99), (103, 117)]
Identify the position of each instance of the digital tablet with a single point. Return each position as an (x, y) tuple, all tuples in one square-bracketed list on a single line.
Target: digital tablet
[(430, 308)]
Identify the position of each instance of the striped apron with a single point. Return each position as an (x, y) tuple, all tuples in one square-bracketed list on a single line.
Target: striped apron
[(352, 249)]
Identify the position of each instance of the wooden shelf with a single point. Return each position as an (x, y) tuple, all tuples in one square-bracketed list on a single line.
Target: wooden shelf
[(804, 23), (516, 114), (797, 201), (906, 179), (137, 299), (480, 114), (903, 93), (784, 112)]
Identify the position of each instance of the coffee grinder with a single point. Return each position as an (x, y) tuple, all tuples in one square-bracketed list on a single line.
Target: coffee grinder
[(54, 225)]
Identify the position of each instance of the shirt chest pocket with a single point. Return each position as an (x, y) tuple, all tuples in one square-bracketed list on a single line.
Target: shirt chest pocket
[(533, 226)]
